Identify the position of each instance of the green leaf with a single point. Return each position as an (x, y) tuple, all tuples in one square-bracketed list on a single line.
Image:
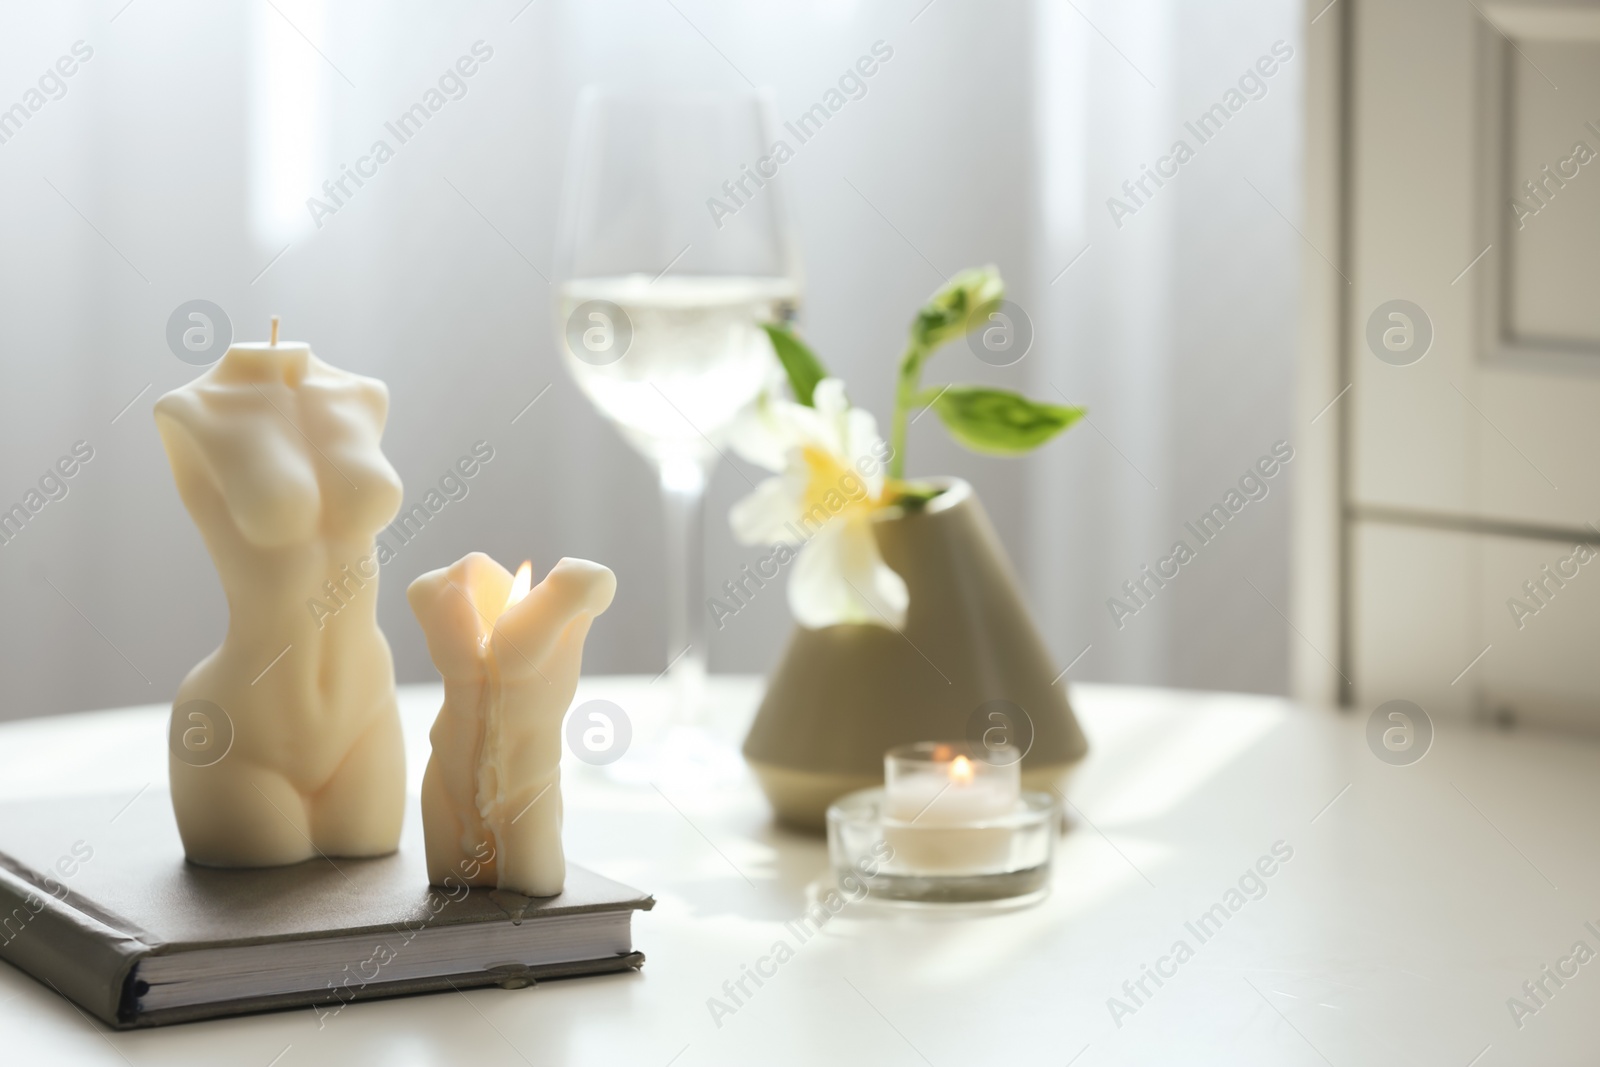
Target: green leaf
[(805, 370), (999, 422), (963, 303)]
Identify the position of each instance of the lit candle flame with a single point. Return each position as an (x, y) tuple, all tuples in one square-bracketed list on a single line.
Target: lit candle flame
[(523, 583), (961, 770)]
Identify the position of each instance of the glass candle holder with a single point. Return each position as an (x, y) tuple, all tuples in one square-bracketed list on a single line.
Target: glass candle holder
[(950, 825)]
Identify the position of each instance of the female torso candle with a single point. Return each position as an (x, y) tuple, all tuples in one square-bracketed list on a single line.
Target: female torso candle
[(276, 457), (491, 796)]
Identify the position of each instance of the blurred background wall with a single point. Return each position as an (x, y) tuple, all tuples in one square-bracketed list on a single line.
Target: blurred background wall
[(177, 163)]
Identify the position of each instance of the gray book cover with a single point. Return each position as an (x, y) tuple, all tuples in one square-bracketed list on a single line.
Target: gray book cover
[(98, 902)]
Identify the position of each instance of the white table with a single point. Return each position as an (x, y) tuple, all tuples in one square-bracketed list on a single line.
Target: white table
[(1417, 901)]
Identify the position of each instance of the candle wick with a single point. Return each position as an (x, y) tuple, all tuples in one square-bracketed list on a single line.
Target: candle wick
[(274, 340)]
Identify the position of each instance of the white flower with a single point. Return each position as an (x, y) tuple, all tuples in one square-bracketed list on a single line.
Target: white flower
[(830, 484)]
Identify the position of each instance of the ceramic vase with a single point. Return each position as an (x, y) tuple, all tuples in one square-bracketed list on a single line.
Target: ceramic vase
[(842, 695)]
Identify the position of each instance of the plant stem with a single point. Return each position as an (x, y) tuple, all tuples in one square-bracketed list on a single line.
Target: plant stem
[(905, 397)]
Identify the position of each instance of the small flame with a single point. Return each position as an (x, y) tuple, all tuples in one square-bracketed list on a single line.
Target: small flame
[(961, 770), (523, 583)]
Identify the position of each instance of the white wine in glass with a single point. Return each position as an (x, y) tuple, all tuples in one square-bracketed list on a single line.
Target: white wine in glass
[(696, 344), (661, 298)]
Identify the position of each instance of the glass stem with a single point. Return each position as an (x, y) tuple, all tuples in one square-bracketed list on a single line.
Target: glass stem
[(683, 492)]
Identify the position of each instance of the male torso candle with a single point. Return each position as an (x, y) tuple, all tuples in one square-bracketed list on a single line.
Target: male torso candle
[(491, 796), (276, 457)]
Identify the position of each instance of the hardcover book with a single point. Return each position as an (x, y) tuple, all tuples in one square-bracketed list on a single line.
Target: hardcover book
[(98, 902)]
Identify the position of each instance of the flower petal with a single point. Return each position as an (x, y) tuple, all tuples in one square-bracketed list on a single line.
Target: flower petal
[(771, 429), (840, 577), (829, 399), (760, 436), (763, 517), (865, 450)]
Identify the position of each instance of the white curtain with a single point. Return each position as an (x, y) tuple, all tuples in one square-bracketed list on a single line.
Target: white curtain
[(170, 170)]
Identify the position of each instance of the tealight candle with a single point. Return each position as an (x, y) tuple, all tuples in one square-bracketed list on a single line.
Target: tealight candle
[(945, 808)]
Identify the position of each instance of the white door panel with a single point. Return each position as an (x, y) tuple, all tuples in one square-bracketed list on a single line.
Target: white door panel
[(1473, 432), (1414, 618), (1552, 262), (1498, 420), (1435, 623)]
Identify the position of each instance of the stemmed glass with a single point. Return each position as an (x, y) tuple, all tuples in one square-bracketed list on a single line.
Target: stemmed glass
[(674, 248)]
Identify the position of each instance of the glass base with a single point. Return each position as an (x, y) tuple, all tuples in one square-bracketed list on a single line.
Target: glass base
[(1001, 860), (1033, 883)]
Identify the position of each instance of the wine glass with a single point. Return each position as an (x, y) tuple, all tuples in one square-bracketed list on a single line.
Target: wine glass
[(674, 248)]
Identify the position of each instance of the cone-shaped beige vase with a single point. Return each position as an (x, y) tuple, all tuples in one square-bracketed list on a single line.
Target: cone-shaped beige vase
[(842, 695)]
